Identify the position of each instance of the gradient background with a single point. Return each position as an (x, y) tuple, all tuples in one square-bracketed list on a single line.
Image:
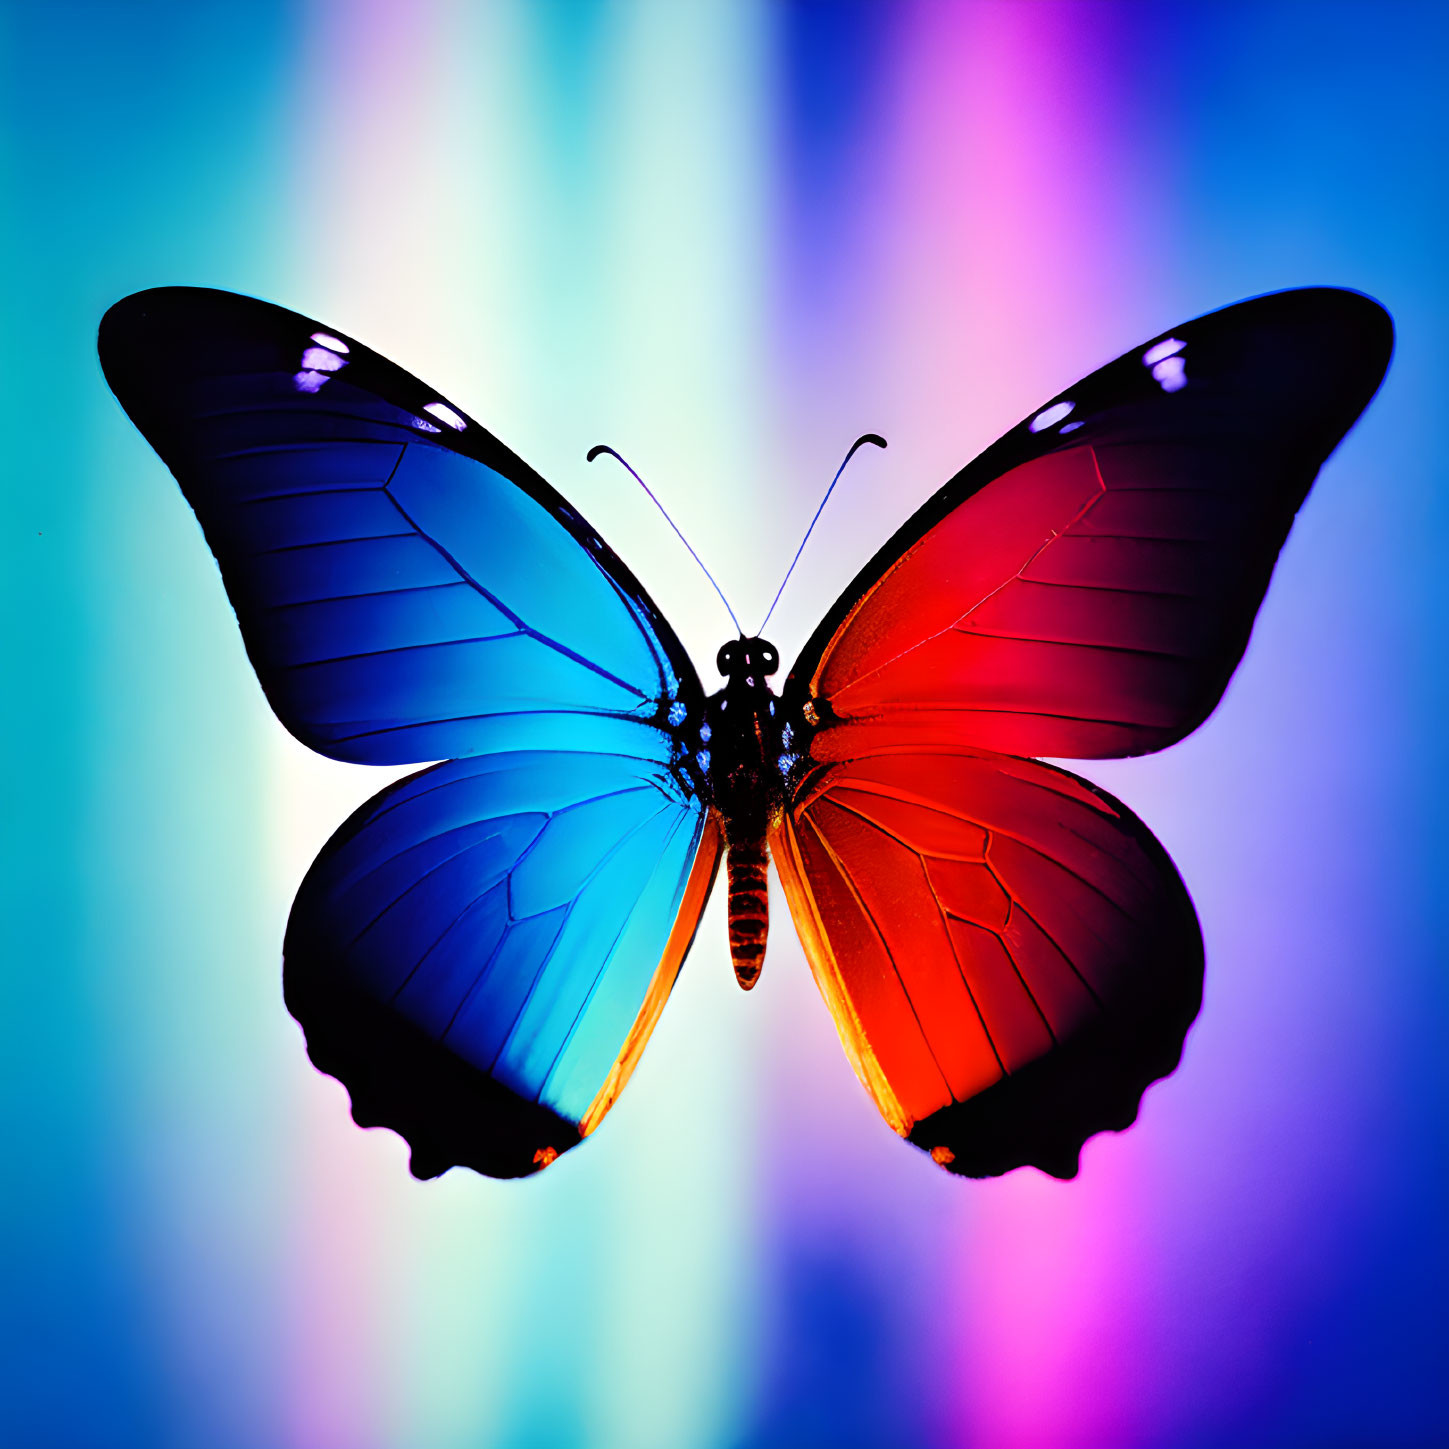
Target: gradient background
[(726, 238)]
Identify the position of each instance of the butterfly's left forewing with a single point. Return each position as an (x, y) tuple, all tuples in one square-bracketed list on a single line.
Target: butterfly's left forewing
[(481, 952), (408, 589)]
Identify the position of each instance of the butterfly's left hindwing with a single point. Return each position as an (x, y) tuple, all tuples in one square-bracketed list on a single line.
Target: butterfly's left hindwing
[(481, 952)]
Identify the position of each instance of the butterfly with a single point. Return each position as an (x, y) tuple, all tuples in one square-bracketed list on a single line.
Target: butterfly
[(482, 950)]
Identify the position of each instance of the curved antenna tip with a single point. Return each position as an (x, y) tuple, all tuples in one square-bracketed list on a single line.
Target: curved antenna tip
[(614, 453), (877, 441)]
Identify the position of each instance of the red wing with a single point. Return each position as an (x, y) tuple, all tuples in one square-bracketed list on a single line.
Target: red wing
[(1086, 587), (1008, 953)]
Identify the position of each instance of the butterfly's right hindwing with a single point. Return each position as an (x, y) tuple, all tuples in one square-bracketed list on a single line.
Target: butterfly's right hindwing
[(1009, 956)]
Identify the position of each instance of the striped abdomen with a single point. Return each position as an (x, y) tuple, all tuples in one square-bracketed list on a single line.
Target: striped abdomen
[(749, 908)]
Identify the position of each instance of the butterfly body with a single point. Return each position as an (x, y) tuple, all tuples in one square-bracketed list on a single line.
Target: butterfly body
[(746, 752), (482, 950)]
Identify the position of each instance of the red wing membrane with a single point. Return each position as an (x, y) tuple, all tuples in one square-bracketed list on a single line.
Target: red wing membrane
[(1087, 589), (1009, 955)]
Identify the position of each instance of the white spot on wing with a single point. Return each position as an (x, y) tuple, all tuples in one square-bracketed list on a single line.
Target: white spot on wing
[(1047, 416), (1171, 374), (319, 359), (1168, 347), (445, 414)]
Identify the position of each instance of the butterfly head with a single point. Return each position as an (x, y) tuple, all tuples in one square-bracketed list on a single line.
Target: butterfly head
[(750, 659)]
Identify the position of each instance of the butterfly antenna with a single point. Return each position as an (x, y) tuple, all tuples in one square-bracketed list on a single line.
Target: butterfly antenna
[(605, 448), (876, 441)]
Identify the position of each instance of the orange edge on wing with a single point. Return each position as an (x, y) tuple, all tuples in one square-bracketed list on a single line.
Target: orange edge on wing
[(686, 922), (827, 976)]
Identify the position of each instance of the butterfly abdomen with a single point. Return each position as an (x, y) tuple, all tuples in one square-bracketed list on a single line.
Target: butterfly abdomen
[(746, 787), (749, 906)]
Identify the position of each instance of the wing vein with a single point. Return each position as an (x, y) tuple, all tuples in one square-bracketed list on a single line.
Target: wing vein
[(498, 603), (849, 880), (1041, 548)]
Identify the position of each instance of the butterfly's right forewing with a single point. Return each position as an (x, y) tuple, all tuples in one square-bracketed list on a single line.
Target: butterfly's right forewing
[(1086, 587)]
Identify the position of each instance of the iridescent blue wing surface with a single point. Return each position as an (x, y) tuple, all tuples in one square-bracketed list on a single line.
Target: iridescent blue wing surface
[(481, 952), (408, 589)]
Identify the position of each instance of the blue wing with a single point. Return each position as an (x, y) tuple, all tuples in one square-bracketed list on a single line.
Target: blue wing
[(408, 589), (481, 951)]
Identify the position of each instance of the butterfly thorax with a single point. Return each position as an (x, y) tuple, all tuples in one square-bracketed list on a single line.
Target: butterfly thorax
[(742, 735)]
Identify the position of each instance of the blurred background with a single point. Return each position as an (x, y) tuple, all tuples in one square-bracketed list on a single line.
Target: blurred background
[(725, 237)]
